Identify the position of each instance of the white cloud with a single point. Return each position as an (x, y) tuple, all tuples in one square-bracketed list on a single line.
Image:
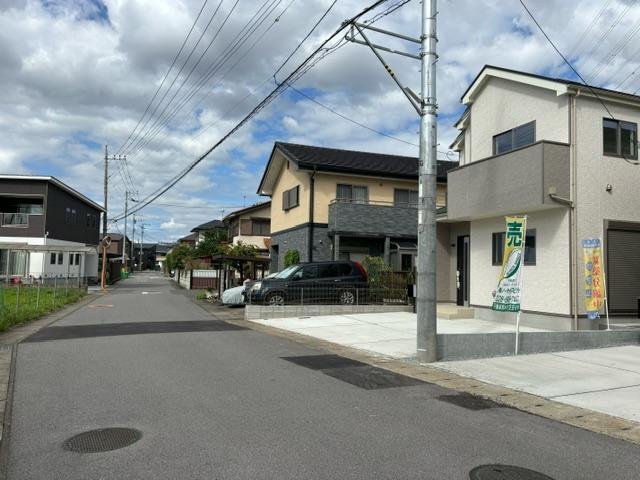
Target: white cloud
[(73, 82)]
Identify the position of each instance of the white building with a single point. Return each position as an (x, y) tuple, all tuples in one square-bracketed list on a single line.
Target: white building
[(566, 156)]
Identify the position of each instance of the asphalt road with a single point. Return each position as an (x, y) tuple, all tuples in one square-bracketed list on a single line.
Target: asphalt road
[(219, 403)]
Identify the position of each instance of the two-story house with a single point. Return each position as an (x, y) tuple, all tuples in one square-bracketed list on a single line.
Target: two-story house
[(47, 228), (566, 156), (251, 226), (199, 231), (328, 204)]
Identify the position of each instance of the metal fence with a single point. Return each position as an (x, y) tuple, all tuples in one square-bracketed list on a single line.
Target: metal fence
[(389, 289), (29, 297)]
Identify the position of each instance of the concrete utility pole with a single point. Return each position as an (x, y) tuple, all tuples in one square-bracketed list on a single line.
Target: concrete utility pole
[(107, 159), (132, 246), (124, 238), (425, 105), (427, 237), (141, 240)]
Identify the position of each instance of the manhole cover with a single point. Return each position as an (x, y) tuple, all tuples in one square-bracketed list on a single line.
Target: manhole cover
[(505, 472), (102, 440)]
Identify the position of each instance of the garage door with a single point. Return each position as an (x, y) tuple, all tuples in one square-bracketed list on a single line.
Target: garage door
[(623, 261)]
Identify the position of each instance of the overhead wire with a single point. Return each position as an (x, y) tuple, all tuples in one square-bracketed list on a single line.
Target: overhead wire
[(175, 59), (575, 48), (589, 87), (614, 52), (235, 44), (175, 78), (261, 105)]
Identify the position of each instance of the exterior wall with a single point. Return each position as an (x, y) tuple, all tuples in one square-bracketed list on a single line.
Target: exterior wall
[(546, 284), (371, 219), (289, 178), (443, 258), (26, 188), (503, 105), (595, 170), (55, 210), (298, 239), (258, 241)]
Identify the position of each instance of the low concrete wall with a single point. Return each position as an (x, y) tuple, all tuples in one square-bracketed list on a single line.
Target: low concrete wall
[(255, 312), (485, 345), (527, 319)]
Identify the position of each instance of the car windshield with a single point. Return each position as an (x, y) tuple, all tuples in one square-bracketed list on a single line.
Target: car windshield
[(286, 272)]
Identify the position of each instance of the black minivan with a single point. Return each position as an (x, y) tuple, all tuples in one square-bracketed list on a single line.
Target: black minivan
[(331, 282)]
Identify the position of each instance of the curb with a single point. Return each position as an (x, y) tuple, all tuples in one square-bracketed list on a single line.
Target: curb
[(596, 422)]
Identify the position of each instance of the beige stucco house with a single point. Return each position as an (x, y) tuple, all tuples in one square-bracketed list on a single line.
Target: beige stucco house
[(566, 156), (251, 226), (329, 203)]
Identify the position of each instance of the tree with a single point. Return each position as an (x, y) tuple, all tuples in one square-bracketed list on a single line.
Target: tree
[(212, 244), (292, 257), (178, 255), (244, 252)]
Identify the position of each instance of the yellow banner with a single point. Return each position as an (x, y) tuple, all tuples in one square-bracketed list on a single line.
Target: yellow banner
[(507, 298), (593, 277)]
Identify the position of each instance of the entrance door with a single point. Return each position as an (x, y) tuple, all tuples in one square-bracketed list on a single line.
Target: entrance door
[(462, 273)]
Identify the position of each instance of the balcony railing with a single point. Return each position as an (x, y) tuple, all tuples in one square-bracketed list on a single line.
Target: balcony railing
[(373, 218)]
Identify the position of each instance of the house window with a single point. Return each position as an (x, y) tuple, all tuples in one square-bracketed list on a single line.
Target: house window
[(74, 217), (89, 220), (291, 198), (406, 262), (260, 227), (352, 193), (67, 215), (619, 139), (405, 198), (52, 258), (60, 258), (515, 138), (497, 248)]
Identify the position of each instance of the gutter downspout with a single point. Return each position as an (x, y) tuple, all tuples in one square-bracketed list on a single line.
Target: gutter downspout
[(312, 177), (573, 234)]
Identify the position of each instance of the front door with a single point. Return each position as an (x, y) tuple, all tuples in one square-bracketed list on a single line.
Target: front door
[(462, 271)]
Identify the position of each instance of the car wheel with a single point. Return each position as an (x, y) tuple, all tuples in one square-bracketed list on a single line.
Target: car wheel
[(274, 299), (347, 297)]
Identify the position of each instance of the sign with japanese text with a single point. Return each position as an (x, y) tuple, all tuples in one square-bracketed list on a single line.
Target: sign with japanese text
[(507, 298), (593, 277)]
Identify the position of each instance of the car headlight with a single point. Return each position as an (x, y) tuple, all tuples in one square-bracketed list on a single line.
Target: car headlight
[(256, 286)]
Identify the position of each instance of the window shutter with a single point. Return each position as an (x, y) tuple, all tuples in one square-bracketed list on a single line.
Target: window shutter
[(524, 135), (360, 194), (245, 227), (343, 192), (285, 200)]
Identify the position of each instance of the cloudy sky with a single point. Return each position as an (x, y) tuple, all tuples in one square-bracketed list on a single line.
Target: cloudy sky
[(76, 75)]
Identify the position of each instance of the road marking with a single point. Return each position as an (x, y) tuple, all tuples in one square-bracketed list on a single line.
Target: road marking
[(151, 293), (98, 305)]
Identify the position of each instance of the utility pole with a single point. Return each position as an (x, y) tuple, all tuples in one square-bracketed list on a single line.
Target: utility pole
[(107, 159), (124, 239), (426, 307), (132, 247), (141, 240), (426, 106)]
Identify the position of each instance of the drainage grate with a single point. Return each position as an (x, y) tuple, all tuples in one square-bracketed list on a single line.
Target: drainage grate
[(353, 372), (470, 402), (102, 440), (505, 472), (322, 362)]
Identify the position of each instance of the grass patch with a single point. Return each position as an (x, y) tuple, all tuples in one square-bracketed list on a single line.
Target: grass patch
[(201, 295), (28, 303)]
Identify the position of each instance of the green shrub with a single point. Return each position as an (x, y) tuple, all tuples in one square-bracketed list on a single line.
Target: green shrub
[(292, 257), (201, 295)]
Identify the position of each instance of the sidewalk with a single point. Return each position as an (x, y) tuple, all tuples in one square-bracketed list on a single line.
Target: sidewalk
[(605, 380)]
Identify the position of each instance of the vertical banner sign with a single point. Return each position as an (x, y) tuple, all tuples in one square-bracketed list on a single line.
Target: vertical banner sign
[(593, 277), (507, 297)]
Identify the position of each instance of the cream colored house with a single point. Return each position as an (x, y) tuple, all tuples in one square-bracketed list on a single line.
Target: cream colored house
[(328, 204), (547, 148), (251, 226)]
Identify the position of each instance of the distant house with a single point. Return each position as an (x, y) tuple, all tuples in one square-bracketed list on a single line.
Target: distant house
[(190, 239), (210, 226), (328, 203), (47, 228), (145, 255), (251, 226)]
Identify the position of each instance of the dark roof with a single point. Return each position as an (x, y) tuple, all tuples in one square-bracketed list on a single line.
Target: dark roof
[(242, 211), (213, 224), (553, 79), (192, 237), (353, 161)]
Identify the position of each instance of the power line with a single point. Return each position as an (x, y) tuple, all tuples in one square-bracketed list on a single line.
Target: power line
[(615, 51), (251, 26), (184, 42), (603, 37), (274, 93), (587, 31), (184, 64), (593, 91)]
